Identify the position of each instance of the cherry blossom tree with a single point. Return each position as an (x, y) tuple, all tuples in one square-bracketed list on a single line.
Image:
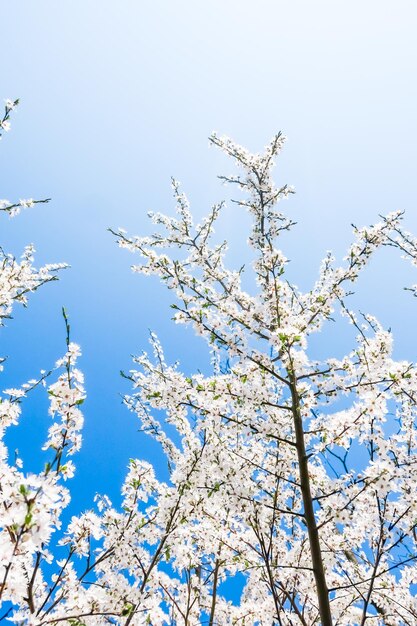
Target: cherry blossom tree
[(31, 504), (291, 478)]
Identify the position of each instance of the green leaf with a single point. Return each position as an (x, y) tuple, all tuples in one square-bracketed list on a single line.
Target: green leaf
[(128, 609), (28, 519), (155, 394), (215, 488)]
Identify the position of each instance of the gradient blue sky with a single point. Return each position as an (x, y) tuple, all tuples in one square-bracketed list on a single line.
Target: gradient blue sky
[(117, 96)]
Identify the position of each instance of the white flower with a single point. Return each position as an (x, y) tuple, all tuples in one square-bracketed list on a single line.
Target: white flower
[(25, 204)]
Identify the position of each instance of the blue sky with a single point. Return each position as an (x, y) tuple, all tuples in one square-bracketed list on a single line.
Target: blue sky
[(116, 97)]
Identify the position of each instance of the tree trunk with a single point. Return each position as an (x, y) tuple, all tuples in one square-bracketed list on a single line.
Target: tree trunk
[(313, 534)]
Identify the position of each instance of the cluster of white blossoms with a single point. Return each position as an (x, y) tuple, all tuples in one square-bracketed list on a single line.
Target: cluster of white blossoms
[(14, 208), (32, 503), (292, 482), (9, 105), (19, 277)]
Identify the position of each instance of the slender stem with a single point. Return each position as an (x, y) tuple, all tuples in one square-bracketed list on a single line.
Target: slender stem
[(214, 593)]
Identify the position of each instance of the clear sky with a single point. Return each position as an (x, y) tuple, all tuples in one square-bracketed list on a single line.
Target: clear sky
[(117, 96)]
